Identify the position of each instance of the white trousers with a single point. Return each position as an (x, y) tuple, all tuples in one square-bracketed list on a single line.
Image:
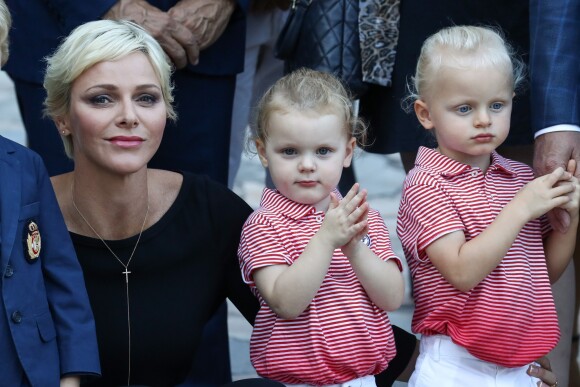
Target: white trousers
[(443, 363), (365, 381)]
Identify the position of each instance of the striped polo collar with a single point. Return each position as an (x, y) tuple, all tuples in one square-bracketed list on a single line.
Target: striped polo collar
[(430, 159), (273, 200)]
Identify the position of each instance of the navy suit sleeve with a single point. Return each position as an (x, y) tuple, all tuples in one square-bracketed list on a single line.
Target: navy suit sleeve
[(65, 286), (37, 28), (555, 62), (73, 13)]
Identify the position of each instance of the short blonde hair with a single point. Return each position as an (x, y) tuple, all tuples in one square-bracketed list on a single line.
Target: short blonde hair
[(5, 23), (306, 89), (463, 46), (92, 43)]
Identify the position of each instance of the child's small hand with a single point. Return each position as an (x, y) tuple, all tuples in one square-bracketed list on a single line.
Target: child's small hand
[(545, 193), (346, 219), (348, 248)]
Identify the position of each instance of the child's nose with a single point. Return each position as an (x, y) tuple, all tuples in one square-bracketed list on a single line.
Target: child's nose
[(482, 119), (307, 164)]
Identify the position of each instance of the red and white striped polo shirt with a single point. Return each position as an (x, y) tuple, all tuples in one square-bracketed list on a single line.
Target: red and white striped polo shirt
[(342, 335), (509, 318)]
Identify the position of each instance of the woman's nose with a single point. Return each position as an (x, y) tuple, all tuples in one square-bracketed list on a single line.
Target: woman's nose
[(128, 118)]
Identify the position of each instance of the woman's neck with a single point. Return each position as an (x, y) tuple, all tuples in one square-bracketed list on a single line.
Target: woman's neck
[(113, 206)]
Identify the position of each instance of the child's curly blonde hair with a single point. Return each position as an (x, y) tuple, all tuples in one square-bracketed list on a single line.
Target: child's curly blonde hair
[(306, 89)]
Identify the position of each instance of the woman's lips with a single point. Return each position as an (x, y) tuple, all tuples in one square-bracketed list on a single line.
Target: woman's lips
[(127, 141)]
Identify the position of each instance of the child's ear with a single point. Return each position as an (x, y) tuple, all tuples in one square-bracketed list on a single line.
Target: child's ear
[(261, 149), (422, 112), (350, 146)]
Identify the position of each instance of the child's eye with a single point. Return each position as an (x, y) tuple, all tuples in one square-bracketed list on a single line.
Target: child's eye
[(288, 151), (463, 109), (324, 151), (496, 106)]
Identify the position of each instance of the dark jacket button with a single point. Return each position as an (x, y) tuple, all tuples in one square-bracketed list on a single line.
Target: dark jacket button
[(17, 317), (9, 272)]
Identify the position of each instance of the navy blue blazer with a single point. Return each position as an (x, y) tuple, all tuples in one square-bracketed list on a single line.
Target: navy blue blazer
[(39, 25), (555, 62), (46, 325)]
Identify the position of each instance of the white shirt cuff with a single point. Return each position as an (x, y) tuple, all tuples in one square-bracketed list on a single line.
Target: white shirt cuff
[(557, 128)]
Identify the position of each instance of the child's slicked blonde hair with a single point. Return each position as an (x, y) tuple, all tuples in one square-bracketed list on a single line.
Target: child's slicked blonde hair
[(463, 47)]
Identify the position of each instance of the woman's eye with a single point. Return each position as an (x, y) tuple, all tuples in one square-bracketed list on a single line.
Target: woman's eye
[(100, 100), (147, 99), (496, 106)]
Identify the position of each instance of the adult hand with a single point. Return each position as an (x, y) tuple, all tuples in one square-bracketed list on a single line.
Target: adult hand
[(70, 381), (553, 150), (543, 372), (178, 42), (205, 19)]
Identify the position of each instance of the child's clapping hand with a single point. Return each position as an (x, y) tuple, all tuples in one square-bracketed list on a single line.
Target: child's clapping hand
[(346, 220)]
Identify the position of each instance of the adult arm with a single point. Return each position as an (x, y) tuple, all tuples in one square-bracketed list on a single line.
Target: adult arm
[(555, 85), (206, 19), (188, 27), (179, 42), (559, 245), (65, 287), (229, 214)]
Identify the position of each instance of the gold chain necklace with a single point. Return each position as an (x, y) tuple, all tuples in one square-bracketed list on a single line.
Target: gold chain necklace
[(126, 266)]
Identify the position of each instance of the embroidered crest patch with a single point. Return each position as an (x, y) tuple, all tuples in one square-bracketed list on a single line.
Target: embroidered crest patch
[(32, 241)]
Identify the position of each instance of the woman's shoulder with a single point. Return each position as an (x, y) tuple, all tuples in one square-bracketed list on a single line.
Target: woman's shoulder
[(201, 190), (165, 183)]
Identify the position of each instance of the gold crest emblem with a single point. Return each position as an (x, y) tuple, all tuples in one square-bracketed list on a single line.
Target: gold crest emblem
[(33, 240)]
